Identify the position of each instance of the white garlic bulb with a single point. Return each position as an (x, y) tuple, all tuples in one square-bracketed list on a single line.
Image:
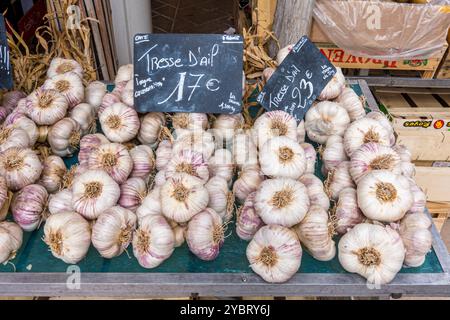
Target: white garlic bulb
[(151, 204), (94, 191), (301, 132), (114, 159), (283, 202), (68, 235), (189, 162), (183, 196), (384, 196), (372, 251), (333, 153), (408, 169), (334, 88), (10, 240), (315, 233), (60, 202), (64, 137), (190, 121), (199, 141), (60, 66), (88, 144), (352, 103), (221, 200), (316, 192), (124, 74), (160, 178), (132, 193), (108, 100), (272, 124), (28, 206), (417, 238), (120, 123), (13, 137), (179, 232), (385, 123), (244, 150), (310, 157), (84, 114), (94, 93), (283, 53), (347, 213), (247, 221), (225, 127), (338, 179), (153, 241), (127, 94), (221, 164), (248, 181), (275, 253), (151, 125), (52, 174), (69, 85), (27, 125), (46, 107), (113, 231), (403, 152), (419, 198), (363, 131), (373, 156), (163, 154), (326, 119), (143, 161)]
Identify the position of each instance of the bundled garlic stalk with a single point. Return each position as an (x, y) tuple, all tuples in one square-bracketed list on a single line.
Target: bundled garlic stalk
[(347, 213), (46, 107), (221, 164), (316, 191), (120, 123), (64, 137), (335, 87), (10, 240), (352, 103), (151, 125), (52, 174), (338, 179), (417, 238), (248, 221), (60, 202), (69, 85), (333, 153), (143, 161), (29, 206), (248, 181), (114, 159), (190, 121), (221, 200), (273, 124), (132, 193), (189, 162)]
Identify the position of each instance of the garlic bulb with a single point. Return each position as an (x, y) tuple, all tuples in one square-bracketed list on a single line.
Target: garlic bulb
[(60, 202), (324, 120), (64, 137), (4, 199), (12, 99), (69, 85), (352, 103), (160, 178), (200, 141), (373, 156), (46, 107), (189, 162), (20, 167), (13, 137), (108, 100), (151, 126), (245, 152), (372, 251), (114, 159), (301, 132), (143, 161), (281, 157), (384, 196), (419, 198), (88, 144), (124, 74), (151, 204), (52, 174), (408, 169), (221, 200), (385, 123), (113, 231), (10, 240), (310, 157), (94, 93), (127, 94), (68, 235), (403, 152), (363, 131), (334, 153), (247, 221), (183, 196), (283, 53), (275, 253), (334, 88), (20, 121), (84, 114), (417, 238), (132, 193), (226, 125), (71, 174), (205, 235), (267, 73), (179, 232), (153, 241), (272, 124), (94, 191), (120, 123), (221, 164), (316, 192), (163, 154), (283, 202), (29, 206), (248, 182), (338, 179), (60, 66), (315, 233), (190, 121), (347, 214)]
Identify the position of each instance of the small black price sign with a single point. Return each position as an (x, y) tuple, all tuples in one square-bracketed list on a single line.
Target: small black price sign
[(188, 73), (298, 81), (6, 80)]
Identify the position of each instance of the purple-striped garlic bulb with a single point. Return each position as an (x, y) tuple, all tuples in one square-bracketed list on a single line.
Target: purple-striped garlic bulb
[(29, 206), (20, 121), (70, 85), (272, 124), (347, 213), (151, 125), (13, 137), (221, 199), (179, 232), (64, 137), (143, 161), (132, 193), (415, 231), (151, 204), (311, 157), (160, 178), (88, 144), (190, 121), (94, 93), (60, 66), (334, 153), (10, 240), (120, 123), (114, 159), (84, 114), (338, 179), (221, 164), (316, 191), (248, 221), (108, 100), (245, 153), (225, 126), (189, 162), (335, 87), (352, 103), (46, 107), (163, 154), (11, 100), (198, 140), (385, 123), (248, 182), (53, 173), (127, 94), (60, 202)]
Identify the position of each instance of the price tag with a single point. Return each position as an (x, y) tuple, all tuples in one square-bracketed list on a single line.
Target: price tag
[(6, 80)]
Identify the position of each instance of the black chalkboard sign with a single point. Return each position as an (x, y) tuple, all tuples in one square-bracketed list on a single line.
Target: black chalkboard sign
[(298, 81), (6, 81), (188, 73)]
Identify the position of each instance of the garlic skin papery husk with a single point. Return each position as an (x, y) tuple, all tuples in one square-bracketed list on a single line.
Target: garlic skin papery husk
[(225, 127), (190, 121), (200, 141), (64, 137), (244, 150), (275, 253), (384, 196), (283, 202), (20, 167), (60, 66), (315, 233), (183, 197), (60, 202), (281, 157), (113, 231), (326, 119), (335, 87), (352, 103), (221, 200), (88, 144), (143, 161), (163, 154), (334, 153), (151, 126), (247, 221), (384, 121), (29, 206), (84, 114), (338, 179), (247, 182), (132, 193), (419, 198), (415, 231), (403, 152), (114, 159), (301, 132), (120, 123), (316, 192), (347, 213), (153, 241), (68, 235), (272, 124), (94, 191), (46, 107), (310, 156), (364, 131), (124, 74), (94, 93), (373, 156), (283, 53), (221, 164), (372, 251), (189, 162), (205, 234), (20, 121), (52, 173), (13, 137), (127, 94), (151, 204), (69, 85), (10, 240)]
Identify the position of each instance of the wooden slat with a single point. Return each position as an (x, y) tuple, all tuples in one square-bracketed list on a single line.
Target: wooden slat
[(265, 15), (392, 100), (408, 112), (434, 182), (446, 98), (426, 145), (425, 100), (412, 90)]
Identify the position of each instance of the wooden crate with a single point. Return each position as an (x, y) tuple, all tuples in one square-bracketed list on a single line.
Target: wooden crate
[(444, 68), (440, 212)]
